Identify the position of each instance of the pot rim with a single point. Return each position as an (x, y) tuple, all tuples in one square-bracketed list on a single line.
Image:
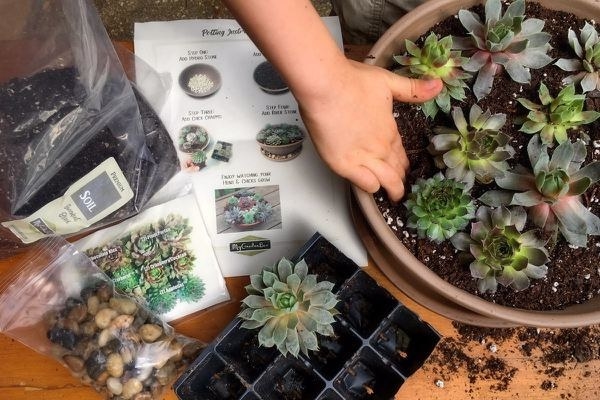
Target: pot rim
[(392, 42)]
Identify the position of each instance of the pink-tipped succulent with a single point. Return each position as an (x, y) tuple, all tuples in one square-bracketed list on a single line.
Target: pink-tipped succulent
[(504, 41), (552, 191), (502, 252), (476, 150), (436, 60), (587, 65)]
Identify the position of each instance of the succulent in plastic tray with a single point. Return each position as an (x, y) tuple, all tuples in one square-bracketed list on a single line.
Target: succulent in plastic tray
[(377, 343)]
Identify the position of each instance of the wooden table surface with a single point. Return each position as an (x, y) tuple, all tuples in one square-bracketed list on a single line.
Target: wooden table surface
[(27, 375)]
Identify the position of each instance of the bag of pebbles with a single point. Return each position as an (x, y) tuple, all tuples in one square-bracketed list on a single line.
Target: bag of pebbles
[(60, 304), (80, 147)]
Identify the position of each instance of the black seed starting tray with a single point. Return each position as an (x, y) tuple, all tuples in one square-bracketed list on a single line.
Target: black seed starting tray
[(378, 343)]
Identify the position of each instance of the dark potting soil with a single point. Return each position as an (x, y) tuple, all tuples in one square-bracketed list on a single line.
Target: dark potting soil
[(33, 111), (269, 79), (573, 273), (556, 351)]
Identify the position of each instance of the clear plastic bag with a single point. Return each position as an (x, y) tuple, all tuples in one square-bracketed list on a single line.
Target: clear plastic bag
[(66, 108), (60, 304)]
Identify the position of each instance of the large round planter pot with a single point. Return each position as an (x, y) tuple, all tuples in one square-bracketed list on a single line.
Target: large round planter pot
[(397, 262)]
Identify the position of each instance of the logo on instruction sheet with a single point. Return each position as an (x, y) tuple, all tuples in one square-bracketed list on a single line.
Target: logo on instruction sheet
[(250, 245)]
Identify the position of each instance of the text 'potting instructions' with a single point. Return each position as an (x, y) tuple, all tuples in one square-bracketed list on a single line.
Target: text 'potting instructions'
[(260, 184)]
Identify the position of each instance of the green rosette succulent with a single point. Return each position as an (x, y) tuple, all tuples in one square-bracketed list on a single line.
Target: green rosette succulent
[(290, 307), (473, 151), (182, 264), (199, 158), (587, 65), (552, 191), (502, 252), (504, 41), (126, 278), (109, 257), (438, 207), (247, 208), (174, 228), (280, 134), (436, 60), (160, 300), (143, 244), (192, 138), (555, 116), (155, 276), (193, 289)]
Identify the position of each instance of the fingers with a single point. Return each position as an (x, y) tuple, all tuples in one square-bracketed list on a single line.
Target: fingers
[(364, 179), (390, 178), (413, 90)]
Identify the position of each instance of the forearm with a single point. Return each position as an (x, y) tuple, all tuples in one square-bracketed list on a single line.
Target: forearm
[(293, 38)]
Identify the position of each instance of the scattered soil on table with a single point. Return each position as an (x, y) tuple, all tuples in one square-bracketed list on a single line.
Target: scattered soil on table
[(553, 351), (562, 286)]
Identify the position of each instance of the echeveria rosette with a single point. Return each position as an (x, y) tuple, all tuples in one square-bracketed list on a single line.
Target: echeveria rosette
[(290, 307), (436, 60), (502, 252), (552, 191), (506, 41), (143, 244), (438, 207), (247, 208), (126, 278), (556, 116), (174, 228), (477, 150), (161, 301), (109, 257), (193, 289), (587, 65)]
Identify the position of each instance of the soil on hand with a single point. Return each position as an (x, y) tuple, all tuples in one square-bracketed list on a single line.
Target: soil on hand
[(573, 273)]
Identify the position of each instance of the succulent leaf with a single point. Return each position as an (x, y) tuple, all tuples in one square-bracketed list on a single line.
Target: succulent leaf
[(506, 41), (501, 252), (289, 306), (477, 150)]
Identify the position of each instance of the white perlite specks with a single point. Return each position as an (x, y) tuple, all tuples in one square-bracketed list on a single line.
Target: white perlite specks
[(439, 383), (200, 83)]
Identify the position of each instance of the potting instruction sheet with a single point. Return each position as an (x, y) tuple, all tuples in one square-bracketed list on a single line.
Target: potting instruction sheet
[(258, 205)]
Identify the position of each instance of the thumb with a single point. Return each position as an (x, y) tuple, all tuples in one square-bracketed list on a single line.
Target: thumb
[(413, 90)]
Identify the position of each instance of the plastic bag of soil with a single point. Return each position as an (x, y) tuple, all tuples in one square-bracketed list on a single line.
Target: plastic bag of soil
[(80, 147), (60, 304)]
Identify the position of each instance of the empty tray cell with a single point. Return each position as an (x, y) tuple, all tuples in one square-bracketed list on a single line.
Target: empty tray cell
[(364, 304), (327, 262), (290, 379), (368, 377), (330, 394), (211, 380), (334, 351), (405, 340), (240, 349)]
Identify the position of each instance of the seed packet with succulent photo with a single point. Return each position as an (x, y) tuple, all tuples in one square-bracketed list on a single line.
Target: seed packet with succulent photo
[(162, 256)]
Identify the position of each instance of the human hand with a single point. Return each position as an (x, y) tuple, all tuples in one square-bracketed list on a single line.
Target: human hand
[(353, 129)]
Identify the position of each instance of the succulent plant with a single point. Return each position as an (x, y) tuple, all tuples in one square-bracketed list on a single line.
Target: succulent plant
[(161, 301), (280, 134), (506, 41), (174, 228), (555, 116), (192, 137), (143, 244), (247, 208), (290, 307), (126, 278), (109, 257), (436, 60), (502, 252), (473, 151), (439, 207), (586, 66), (552, 191), (193, 289)]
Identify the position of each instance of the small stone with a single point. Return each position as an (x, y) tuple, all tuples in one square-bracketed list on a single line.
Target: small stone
[(165, 374), (77, 313), (131, 388), (114, 386), (75, 363), (63, 337), (105, 336), (123, 305), (143, 396), (114, 365), (150, 332), (92, 304), (104, 292), (122, 322), (104, 317), (88, 328), (95, 365)]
